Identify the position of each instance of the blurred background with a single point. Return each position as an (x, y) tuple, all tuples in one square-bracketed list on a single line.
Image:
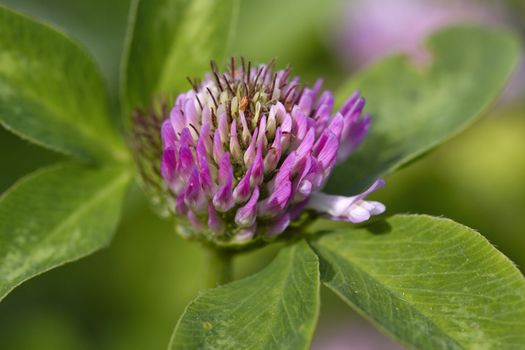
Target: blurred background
[(130, 295)]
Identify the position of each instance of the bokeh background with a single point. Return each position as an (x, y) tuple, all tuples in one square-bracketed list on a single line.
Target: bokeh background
[(130, 295)]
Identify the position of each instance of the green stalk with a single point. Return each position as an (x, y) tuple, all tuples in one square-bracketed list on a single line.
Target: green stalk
[(220, 267)]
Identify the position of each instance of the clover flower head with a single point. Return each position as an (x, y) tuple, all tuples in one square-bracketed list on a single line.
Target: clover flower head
[(246, 152)]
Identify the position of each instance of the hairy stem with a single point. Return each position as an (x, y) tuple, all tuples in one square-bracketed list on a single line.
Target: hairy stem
[(220, 267)]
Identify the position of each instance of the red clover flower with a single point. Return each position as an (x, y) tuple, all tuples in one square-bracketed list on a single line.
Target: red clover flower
[(247, 151)]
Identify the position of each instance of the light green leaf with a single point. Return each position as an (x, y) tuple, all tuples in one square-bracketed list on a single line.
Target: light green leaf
[(54, 216), (429, 282), (169, 40), (51, 92), (276, 308), (415, 108)]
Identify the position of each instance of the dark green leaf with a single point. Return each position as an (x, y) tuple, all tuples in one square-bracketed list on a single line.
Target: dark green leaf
[(169, 40), (415, 108), (51, 92), (276, 308), (55, 216), (429, 282)]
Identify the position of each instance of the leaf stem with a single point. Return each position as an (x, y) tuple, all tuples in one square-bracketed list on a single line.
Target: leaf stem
[(220, 267)]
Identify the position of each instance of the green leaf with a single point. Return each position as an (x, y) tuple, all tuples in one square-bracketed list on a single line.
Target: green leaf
[(415, 108), (276, 308), (429, 282), (169, 40), (54, 216), (51, 92)]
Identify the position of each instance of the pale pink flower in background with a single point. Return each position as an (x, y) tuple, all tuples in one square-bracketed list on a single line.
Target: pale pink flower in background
[(352, 334), (372, 29)]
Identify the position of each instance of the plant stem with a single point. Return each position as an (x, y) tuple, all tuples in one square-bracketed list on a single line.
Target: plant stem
[(220, 267)]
